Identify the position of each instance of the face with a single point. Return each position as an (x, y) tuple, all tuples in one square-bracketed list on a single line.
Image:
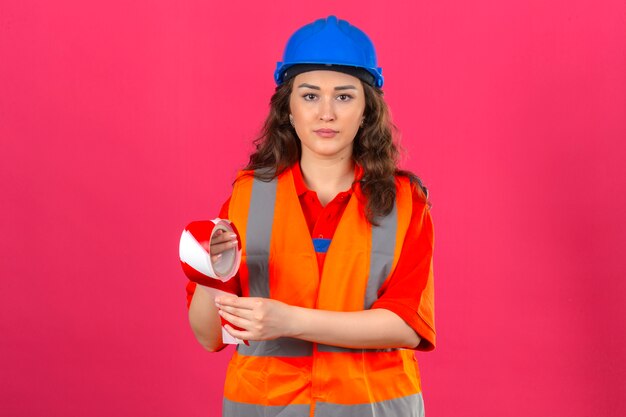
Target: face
[(327, 109)]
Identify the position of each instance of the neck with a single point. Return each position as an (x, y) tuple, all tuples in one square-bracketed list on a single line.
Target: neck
[(327, 177)]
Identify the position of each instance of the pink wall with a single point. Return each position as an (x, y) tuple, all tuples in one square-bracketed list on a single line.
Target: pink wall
[(121, 122)]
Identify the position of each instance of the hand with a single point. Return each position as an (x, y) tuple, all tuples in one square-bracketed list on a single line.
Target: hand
[(260, 318), (221, 242)]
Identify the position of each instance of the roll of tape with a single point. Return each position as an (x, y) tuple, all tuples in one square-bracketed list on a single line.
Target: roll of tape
[(196, 261)]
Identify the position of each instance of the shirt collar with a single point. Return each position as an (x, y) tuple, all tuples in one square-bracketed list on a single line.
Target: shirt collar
[(301, 187)]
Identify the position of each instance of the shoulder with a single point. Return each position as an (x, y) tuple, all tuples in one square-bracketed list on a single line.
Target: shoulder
[(419, 192), (420, 226), (265, 174), (244, 175), (242, 188), (244, 179)]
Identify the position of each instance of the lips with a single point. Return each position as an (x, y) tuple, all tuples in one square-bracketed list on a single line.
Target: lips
[(326, 133)]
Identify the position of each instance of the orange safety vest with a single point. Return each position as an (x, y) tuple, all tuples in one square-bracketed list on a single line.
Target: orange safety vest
[(288, 377)]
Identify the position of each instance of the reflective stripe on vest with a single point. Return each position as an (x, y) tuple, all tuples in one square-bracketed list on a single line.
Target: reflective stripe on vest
[(281, 347), (259, 232), (237, 409), (331, 348), (290, 347), (381, 258), (409, 406)]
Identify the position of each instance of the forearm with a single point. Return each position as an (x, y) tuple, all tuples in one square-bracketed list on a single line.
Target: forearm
[(204, 319), (375, 328)]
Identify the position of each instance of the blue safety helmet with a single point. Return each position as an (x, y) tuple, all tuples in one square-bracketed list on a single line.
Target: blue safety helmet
[(330, 42)]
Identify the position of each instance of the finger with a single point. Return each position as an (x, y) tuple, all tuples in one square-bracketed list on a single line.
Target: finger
[(239, 312), (246, 303), (221, 247), (239, 334), (223, 237), (218, 238), (216, 258), (237, 321)]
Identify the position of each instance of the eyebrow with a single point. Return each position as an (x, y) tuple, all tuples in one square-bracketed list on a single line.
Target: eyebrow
[(314, 87)]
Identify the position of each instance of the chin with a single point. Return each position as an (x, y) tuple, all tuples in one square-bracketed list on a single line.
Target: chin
[(328, 149), (329, 152)]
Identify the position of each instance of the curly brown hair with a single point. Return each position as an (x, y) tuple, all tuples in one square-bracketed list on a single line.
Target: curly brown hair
[(374, 149)]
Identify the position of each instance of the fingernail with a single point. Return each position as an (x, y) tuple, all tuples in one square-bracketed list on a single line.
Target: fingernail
[(232, 235)]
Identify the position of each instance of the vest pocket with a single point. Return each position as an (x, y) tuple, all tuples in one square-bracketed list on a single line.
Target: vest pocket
[(268, 381)]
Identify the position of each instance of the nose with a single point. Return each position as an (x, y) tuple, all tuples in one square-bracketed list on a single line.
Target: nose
[(327, 110)]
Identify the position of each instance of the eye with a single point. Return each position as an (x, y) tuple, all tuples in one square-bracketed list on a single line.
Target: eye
[(309, 96), (345, 97)]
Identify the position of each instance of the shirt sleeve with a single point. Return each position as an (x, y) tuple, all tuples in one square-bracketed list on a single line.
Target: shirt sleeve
[(232, 285), (409, 292)]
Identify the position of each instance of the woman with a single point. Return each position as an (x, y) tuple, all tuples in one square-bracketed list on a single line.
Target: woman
[(335, 288)]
